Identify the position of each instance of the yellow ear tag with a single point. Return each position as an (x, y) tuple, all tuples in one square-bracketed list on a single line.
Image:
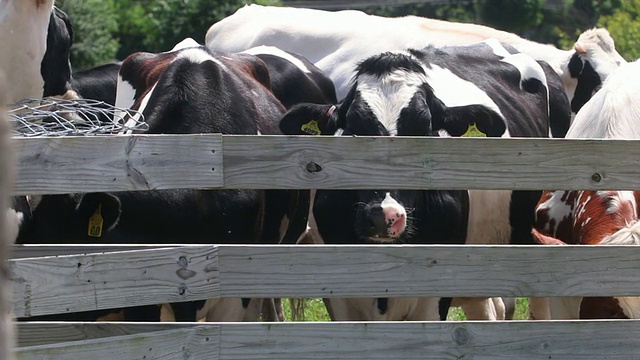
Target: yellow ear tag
[(473, 131), (311, 128), (95, 223)]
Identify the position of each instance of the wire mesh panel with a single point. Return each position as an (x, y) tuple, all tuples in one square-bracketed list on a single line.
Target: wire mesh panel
[(60, 117)]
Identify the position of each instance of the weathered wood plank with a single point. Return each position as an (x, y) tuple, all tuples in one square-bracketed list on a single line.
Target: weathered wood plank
[(565, 340), (411, 270), (141, 162), (112, 280), (117, 163), (430, 163), (8, 230), (36, 333), (73, 283), (22, 251), (196, 342)]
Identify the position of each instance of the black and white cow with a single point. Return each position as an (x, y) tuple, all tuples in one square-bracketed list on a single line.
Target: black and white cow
[(354, 35), (97, 83), (453, 91), (294, 79), (185, 91), (56, 66)]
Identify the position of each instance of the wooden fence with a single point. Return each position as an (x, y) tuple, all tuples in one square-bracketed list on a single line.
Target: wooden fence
[(101, 276)]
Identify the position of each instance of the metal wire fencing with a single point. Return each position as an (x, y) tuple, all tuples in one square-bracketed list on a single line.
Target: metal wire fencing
[(61, 117)]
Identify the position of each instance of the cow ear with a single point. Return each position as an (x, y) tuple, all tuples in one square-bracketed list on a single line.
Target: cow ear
[(544, 239), (101, 212), (310, 119)]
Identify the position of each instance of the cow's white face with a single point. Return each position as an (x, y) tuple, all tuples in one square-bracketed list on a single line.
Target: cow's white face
[(386, 96)]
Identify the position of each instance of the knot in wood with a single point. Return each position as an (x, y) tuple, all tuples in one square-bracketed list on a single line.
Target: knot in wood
[(596, 177), (182, 261), (462, 336), (182, 289), (313, 167)]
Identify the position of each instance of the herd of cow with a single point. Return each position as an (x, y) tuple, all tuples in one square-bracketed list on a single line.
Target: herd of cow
[(276, 70)]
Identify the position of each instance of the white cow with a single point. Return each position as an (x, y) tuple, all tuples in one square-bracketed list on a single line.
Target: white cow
[(23, 39), (336, 41)]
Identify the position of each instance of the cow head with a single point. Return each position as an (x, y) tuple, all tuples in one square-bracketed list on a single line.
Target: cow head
[(393, 94), (56, 66), (594, 59), (72, 218)]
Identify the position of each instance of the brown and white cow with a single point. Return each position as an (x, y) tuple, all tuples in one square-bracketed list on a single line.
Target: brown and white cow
[(595, 217), (589, 218)]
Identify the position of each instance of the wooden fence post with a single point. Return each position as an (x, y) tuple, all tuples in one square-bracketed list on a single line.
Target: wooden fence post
[(8, 231)]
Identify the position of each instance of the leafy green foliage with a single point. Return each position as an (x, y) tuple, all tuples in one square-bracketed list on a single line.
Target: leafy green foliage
[(624, 26), (94, 25), (513, 15)]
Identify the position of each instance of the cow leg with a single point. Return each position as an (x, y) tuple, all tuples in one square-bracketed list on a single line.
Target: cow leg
[(253, 310), (145, 313), (233, 309), (339, 309), (443, 307), (509, 307), (272, 310), (539, 308), (481, 308), (427, 309), (187, 311), (564, 308), (277, 303)]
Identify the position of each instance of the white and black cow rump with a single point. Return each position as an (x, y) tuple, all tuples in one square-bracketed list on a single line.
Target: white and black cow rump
[(452, 91), (185, 91), (97, 83), (336, 41), (294, 79)]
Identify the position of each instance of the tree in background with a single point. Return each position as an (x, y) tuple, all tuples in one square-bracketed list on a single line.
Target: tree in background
[(113, 29), (624, 25), (94, 25), (510, 15)]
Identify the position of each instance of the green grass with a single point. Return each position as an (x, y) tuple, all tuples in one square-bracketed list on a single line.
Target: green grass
[(315, 311)]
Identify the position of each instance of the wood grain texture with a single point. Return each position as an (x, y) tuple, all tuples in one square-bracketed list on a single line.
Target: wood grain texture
[(567, 340), (196, 342), (115, 279), (117, 163), (22, 251), (73, 283), (142, 162), (429, 163), (428, 270)]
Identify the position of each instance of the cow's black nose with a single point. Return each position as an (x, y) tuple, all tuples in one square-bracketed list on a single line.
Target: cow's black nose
[(376, 221)]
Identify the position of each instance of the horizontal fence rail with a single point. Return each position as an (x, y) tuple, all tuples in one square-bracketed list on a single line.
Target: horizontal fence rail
[(144, 162), (67, 278), (61, 284), (566, 340)]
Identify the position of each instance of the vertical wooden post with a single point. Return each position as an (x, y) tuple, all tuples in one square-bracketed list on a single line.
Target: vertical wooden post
[(8, 231)]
